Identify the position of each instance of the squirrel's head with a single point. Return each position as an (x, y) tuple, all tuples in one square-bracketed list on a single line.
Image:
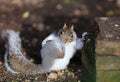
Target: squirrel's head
[(67, 34)]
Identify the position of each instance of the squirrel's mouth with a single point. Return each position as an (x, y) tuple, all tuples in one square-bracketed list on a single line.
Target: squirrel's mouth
[(67, 41)]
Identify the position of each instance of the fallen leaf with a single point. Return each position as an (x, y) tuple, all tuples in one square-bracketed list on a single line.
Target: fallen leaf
[(110, 13), (26, 14)]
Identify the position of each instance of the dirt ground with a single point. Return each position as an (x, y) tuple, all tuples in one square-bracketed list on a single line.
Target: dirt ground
[(37, 19)]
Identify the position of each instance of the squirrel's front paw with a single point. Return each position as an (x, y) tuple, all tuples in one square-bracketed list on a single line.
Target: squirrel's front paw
[(61, 55)]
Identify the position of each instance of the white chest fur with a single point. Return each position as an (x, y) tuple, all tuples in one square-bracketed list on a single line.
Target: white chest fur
[(63, 62), (70, 49)]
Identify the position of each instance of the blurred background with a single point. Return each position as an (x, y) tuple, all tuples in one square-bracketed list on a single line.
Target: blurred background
[(62, 7)]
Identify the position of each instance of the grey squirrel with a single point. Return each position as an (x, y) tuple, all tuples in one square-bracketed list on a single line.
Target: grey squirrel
[(56, 52)]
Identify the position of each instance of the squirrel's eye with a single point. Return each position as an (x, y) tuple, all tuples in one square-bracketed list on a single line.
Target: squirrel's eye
[(61, 32), (72, 35)]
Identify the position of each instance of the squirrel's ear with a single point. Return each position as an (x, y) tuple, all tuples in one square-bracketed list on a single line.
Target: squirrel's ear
[(65, 26), (72, 27)]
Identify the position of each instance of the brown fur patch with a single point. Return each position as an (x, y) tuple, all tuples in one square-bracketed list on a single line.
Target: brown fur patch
[(61, 55)]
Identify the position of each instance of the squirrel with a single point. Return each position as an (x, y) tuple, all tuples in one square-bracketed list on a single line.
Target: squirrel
[(71, 44), (57, 50)]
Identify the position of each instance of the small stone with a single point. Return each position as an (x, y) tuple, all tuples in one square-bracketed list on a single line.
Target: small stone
[(36, 78), (116, 25), (59, 6), (40, 26), (27, 81), (104, 18), (77, 12), (118, 38), (52, 76)]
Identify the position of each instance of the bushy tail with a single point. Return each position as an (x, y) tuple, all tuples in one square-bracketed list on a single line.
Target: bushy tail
[(16, 62), (13, 46)]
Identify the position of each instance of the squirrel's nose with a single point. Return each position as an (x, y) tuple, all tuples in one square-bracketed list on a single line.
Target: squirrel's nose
[(66, 40)]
